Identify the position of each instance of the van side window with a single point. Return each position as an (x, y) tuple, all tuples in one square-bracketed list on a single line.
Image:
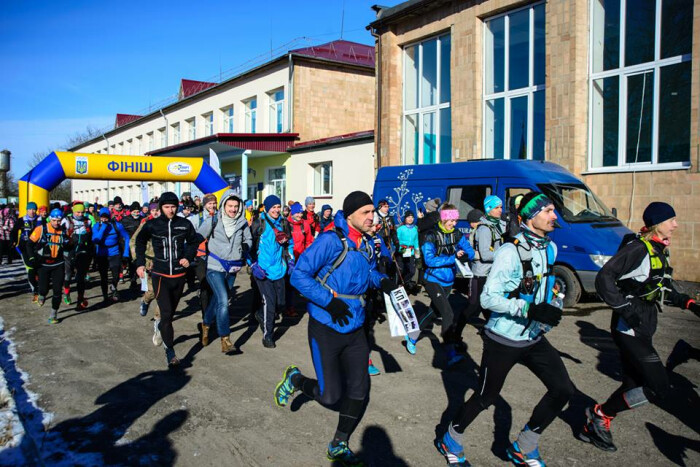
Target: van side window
[(467, 198), (511, 192)]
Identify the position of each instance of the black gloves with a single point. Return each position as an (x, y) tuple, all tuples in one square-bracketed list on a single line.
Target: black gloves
[(339, 311), (387, 285), (544, 313), (464, 258), (630, 315)]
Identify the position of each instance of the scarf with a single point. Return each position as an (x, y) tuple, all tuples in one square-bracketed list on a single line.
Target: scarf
[(444, 230), (229, 224), (533, 239), (496, 222)]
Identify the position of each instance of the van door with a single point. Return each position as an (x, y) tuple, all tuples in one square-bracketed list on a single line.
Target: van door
[(467, 195)]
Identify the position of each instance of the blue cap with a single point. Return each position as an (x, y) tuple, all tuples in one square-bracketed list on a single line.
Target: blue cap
[(309, 200), (326, 206), (249, 202), (55, 214), (104, 212), (32, 205), (492, 202), (296, 208), (271, 201)]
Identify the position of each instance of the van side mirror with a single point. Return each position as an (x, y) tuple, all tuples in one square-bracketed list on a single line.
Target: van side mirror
[(614, 212)]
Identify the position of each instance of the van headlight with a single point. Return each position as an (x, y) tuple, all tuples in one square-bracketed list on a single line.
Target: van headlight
[(600, 260)]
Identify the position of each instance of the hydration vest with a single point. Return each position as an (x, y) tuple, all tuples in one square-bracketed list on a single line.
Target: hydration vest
[(368, 253), (659, 272), (48, 244), (28, 226), (495, 237), (531, 282), (445, 243)]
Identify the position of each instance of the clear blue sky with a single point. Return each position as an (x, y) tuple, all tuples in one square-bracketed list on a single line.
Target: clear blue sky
[(67, 65)]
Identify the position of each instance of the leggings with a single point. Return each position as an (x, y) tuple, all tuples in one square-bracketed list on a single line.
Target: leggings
[(6, 250), (205, 292), (497, 360), (272, 302), (476, 285), (53, 274), (168, 293), (150, 295), (81, 263), (107, 264), (32, 273), (440, 304), (643, 375)]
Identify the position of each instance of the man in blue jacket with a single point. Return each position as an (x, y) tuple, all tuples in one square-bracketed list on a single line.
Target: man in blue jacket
[(105, 236), (517, 292), (273, 251), (334, 273)]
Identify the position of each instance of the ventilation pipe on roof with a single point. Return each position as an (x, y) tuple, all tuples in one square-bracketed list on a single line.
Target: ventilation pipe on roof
[(378, 79)]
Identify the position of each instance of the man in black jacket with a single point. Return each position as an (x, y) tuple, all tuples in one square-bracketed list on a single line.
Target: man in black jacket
[(174, 243), (131, 223)]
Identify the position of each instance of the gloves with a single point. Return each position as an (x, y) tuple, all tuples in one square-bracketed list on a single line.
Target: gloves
[(464, 258), (258, 272), (545, 313), (339, 311), (387, 285), (630, 315), (694, 307), (290, 265)]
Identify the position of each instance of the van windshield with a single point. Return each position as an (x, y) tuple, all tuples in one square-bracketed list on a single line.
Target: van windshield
[(576, 203)]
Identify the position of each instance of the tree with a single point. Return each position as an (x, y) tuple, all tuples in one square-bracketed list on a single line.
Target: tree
[(80, 137)]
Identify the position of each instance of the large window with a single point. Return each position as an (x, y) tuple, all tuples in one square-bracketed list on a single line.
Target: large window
[(640, 84), (163, 136), (276, 107), (427, 122), (277, 182), (514, 78), (251, 111), (208, 123), (227, 119), (191, 129), (467, 198), (176, 133), (323, 179)]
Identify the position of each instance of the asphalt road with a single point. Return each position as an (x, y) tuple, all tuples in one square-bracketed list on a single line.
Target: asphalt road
[(111, 393)]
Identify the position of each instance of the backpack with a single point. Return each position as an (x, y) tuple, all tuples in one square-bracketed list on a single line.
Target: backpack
[(475, 243), (369, 249), (259, 225)]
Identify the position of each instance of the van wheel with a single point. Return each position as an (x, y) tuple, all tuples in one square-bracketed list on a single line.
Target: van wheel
[(568, 285)]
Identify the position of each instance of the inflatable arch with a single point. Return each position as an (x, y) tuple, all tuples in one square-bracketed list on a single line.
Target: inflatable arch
[(58, 166)]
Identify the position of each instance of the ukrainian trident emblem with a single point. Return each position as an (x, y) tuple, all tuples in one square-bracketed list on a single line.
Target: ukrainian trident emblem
[(81, 165)]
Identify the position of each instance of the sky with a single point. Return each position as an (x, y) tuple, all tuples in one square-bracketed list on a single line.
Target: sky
[(72, 64)]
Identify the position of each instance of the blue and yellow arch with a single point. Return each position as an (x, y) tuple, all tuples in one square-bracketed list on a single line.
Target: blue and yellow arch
[(58, 166)]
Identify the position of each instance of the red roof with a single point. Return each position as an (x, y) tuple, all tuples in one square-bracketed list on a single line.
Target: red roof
[(123, 119), (353, 53), (190, 87)]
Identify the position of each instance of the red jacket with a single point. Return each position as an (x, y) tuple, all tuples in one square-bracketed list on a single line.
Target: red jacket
[(311, 222), (301, 235)]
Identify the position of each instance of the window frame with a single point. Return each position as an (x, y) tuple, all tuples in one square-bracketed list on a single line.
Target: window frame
[(488, 189), (227, 119), (419, 111), (191, 128), (623, 73), (318, 168), (251, 115), (508, 95), (276, 107), (208, 123)]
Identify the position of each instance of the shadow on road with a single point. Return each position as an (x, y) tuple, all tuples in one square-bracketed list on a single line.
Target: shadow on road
[(376, 448), (672, 446)]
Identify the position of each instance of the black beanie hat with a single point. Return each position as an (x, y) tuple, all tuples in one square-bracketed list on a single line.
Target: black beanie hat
[(355, 201), (656, 213), (408, 213), (168, 198), (135, 206), (475, 215), (118, 200)]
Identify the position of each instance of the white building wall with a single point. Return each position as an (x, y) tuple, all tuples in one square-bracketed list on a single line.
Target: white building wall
[(353, 169), (126, 141)]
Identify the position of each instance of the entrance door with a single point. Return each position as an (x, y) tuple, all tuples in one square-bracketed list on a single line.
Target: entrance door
[(277, 183)]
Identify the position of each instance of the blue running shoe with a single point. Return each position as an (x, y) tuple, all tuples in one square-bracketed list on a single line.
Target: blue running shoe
[(410, 345), (453, 357), (285, 389), (452, 450), (342, 455), (373, 370), (144, 309), (531, 459)]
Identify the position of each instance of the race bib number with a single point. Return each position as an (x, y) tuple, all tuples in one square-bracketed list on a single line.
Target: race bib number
[(402, 317)]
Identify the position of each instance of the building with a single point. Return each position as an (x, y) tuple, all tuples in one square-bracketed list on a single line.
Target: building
[(250, 121), (607, 89)]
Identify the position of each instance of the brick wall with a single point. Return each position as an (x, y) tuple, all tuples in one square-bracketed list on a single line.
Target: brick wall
[(321, 91)]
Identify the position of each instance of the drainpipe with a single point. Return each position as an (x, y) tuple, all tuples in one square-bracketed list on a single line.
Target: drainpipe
[(290, 90), (244, 173), (107, 141), (378, 77)]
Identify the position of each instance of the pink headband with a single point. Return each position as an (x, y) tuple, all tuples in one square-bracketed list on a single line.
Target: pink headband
[(449, 214)]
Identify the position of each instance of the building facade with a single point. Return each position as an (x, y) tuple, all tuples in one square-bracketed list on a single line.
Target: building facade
[(607, 89), (248, 123)]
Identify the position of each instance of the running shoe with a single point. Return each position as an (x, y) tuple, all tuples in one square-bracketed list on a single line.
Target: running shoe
[(113, 294), (82, 305), (53, 317), (373, 370), (40, 301), (342, 454), (268, 343), (531, 459), (453, 357), (53, 320), (157, 338), (121, 277), (285, 389), (35, 298), (171, 358), (597, 429), (143, 309), (452, 451), (411, 345), (679, 355), (66, 298)]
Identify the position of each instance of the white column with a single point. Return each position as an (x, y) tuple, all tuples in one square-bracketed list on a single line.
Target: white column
[(244, 174)]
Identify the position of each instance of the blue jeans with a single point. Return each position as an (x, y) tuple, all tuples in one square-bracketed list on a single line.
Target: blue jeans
[(220, 283)]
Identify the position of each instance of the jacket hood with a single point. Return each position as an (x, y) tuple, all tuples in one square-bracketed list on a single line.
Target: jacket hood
[(340, 222), (228, 194), (291, 220)]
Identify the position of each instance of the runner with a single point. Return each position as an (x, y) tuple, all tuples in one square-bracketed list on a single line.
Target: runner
[(311, 220), (635, 283), (46, 245), (517, 292), (79, 255), (441, 248), (131, 223), (409, 249), (228, 242), (7, 226), (272, 257), (303, 237), (106, 235), (326, 217), (334, 274), (23, 229), (174, 245)]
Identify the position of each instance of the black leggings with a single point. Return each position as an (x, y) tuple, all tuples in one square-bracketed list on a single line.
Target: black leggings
[(440, 304), (200, 271), (273, 301), (643, 375), (32, 273), (168, 292), (53, 274), (497, 360), (81, 263), (107, 264), (6, 250)]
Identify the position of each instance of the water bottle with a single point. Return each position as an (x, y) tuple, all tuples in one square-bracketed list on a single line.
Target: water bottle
[(557, 301)]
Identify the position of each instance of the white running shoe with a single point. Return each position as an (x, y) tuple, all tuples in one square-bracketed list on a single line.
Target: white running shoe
[(157, 339)]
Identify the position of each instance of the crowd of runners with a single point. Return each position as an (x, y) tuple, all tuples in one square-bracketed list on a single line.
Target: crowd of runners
[(343, 264)]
